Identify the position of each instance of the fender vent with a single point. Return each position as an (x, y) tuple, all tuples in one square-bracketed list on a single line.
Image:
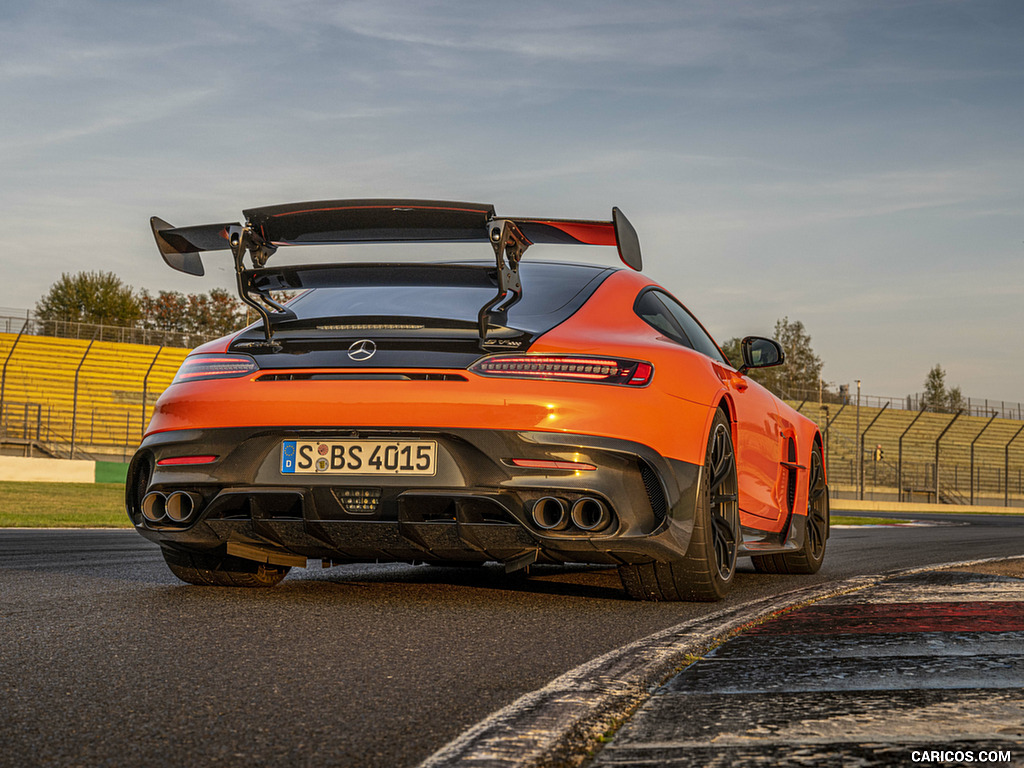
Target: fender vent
[(791, 480), (655, 494)]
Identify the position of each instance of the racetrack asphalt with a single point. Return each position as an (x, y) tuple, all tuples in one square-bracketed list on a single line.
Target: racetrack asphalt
[(106, 660)]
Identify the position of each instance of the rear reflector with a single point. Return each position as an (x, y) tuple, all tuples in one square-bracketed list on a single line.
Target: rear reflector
[(544, 464), (200, 367), (598, 370), (186, 460)]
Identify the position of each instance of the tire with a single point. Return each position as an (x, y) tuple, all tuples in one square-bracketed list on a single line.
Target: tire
[(209, 570), (705, 573), (809, 557)]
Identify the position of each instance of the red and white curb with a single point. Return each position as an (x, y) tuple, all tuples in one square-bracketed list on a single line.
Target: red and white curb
[(561, 722)]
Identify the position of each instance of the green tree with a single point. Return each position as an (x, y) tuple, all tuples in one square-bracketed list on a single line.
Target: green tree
[(937, 397), (89, 297), (223, 313), (956, 400), (732, 351), (800, 375), (208, 315), (167, 311)]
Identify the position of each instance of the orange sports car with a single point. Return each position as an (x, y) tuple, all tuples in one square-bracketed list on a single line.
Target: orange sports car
[(458, 413)]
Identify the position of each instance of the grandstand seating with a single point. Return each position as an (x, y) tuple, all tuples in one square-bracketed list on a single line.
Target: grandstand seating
[(114, 397), (918, 480)]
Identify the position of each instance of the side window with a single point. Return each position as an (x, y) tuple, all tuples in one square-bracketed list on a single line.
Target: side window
[(654, 312), (699, 338)]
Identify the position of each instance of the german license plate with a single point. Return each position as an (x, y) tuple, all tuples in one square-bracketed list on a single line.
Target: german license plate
[(359, 457)]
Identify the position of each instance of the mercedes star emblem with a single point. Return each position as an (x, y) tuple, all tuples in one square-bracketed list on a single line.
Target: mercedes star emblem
[(362, 350)]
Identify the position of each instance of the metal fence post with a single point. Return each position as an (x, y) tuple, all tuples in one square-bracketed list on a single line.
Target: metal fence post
[(1006, 467), (3, 376), (145, 384), (860, 457), (935, 473), (74, 404), (899, 462), (828, 424), (991, 419), (860, 450)]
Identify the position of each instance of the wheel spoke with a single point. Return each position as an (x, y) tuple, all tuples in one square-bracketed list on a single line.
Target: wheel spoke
[(722, 499), (817, 524), (816, 484), (816, 533), (722, 461), (724, 534)]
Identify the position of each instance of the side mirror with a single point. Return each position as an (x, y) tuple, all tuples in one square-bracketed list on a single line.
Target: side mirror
[(759, 352)]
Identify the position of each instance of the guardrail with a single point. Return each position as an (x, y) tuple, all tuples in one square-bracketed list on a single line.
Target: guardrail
[(1003, 409)]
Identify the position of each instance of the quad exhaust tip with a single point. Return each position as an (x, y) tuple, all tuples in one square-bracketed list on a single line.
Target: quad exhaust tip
[(591, 515), (587, 514), (178, 507), (182, 504), (154, 506), (550, 514)]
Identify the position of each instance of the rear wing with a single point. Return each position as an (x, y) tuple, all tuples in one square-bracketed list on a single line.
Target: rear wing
[(332, 222)]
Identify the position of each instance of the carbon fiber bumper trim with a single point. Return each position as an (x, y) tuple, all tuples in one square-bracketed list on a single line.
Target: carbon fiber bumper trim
[(476, 508)]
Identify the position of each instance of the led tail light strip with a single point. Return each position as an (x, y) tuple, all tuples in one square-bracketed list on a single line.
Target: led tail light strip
[(584, 368), (226, 366)]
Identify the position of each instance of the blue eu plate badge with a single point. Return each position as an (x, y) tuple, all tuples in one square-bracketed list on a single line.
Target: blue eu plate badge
[(288, 457)]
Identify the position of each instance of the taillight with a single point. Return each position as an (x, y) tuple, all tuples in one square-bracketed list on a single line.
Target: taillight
[(180, 460), (595, 369), (576, 466), (200, 367)]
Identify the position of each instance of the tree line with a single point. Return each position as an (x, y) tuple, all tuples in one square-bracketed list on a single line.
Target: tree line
[(800, 377), (102, 298)]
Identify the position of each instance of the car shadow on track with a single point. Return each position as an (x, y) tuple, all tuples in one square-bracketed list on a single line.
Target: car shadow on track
[(566, 581), (584, 581)]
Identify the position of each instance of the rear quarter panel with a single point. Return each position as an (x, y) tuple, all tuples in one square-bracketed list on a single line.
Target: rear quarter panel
[(688, 388)]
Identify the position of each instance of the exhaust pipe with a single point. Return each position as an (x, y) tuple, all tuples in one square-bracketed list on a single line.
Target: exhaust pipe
[(181, 504), (154, 506), (550, 514), (590, 514)]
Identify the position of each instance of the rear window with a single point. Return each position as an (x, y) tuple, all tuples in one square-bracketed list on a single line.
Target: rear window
[(549, 291)]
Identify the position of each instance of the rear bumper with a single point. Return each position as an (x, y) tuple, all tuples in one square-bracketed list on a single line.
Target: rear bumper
[(476, 508)]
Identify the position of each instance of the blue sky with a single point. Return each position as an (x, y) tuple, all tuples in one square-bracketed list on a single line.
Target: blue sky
[(857, 166)]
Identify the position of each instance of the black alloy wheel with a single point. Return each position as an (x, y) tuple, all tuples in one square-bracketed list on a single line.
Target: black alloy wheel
[(817, 508), (706, 572), (724, 502)]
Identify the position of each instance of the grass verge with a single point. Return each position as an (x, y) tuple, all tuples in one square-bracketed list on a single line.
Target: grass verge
[(62, 505)]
